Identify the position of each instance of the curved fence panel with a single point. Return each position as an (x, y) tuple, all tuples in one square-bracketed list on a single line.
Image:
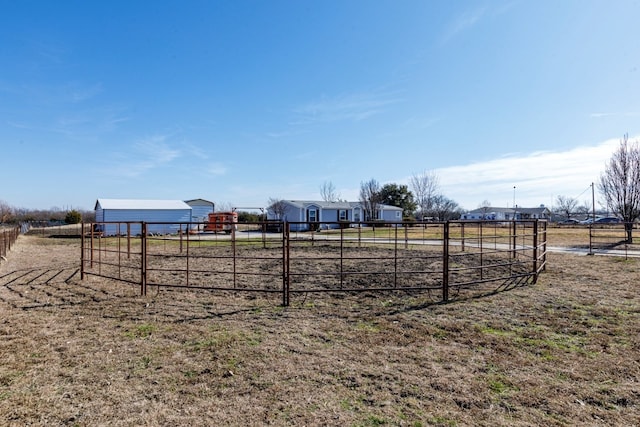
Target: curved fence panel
[(445, 259)]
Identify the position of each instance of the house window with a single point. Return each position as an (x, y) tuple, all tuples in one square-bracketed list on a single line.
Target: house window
[(342, 215), (398, 215), (313, 215)]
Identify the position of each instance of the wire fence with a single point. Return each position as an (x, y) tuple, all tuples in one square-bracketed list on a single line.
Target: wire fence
[(444, 259), (8, 237), (605, 237)]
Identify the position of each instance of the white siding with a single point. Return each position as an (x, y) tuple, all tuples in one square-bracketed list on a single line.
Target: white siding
[(172, 213), (200, 209)]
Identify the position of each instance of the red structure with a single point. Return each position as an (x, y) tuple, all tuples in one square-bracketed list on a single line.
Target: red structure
[(221, 221)]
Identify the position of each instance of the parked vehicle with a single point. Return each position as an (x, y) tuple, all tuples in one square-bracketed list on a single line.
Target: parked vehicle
[(569, 221), (608, 220), (221, 221), (602, 220)]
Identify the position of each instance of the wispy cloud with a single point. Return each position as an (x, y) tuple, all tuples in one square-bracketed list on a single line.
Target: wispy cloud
[(52, 94), (421, 122), (147, 154), (347, 107), (79, 93), (285, 134), (624, 114), (19, 125), (463, 23), (217, 168), (539, 177)]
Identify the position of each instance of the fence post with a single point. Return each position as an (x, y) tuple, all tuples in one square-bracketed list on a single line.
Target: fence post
[(187, 233), (395, 258), (234, 251), (544, 247), (514, 237), (128, 240), (285, 264), (341, 257), (445, 262), (82, 252), (481, 244), (535, 251), (143, 261)]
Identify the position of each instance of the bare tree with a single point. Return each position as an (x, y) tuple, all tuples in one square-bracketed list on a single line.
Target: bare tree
[(584, 208), (224, 207), (424, 187), (370, 198), (445, 209), (278, 207), (6, 212), (485, 206), (566, 205), (620, 184), (328, 192)]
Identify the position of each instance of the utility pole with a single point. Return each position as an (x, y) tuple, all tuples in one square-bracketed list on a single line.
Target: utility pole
[(514, 203)]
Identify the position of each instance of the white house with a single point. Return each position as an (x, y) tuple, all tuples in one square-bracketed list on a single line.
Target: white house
[(170, 212), (507, 214), (313, 211)]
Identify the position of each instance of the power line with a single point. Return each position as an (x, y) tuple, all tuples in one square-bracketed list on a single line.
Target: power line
[(585, 190)]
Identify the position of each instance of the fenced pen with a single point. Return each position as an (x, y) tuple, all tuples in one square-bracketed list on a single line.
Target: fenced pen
[(444, 259), (8, 237)]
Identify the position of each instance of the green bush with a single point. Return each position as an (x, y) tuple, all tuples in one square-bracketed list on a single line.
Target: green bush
[(73, 217)]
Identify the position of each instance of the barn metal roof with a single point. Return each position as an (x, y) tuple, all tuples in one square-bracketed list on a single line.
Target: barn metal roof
[(142, 204)]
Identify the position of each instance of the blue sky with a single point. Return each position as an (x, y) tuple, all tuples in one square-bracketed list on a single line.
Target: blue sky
[(241, 101)]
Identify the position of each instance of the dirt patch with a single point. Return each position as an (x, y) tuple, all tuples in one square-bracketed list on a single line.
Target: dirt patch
[(561, 352)]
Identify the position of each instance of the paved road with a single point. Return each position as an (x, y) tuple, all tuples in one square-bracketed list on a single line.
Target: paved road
[(604, 252), (554, 249)]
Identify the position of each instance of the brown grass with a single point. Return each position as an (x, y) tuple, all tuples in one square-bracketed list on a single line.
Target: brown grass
[(562, 352)]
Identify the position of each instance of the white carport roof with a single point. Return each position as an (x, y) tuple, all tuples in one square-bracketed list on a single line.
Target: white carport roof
[(142, 204)]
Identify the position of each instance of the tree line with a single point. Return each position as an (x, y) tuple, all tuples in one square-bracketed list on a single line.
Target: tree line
[(12, 215)]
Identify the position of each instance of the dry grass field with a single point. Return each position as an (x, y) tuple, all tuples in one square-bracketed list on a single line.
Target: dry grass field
[(565, 351)]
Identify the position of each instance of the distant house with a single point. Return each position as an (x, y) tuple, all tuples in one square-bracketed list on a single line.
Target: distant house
[(200, 209), (170, 212), (507, 214), (312, 211)]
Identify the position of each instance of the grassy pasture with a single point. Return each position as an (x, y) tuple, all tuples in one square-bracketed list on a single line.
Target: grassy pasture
[(565, 351)]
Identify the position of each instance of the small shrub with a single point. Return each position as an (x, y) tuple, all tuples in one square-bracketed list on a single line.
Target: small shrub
[(73, 217)]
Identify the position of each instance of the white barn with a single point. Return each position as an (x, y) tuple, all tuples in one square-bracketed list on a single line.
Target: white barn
[(171, 212)]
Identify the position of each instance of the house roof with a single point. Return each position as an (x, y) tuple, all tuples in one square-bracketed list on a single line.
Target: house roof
[(490, 209), (334, 205), (142, 204)]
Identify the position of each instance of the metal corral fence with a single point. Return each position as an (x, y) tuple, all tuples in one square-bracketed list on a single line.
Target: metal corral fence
[(442, 258), (603, 237), (8, 236)]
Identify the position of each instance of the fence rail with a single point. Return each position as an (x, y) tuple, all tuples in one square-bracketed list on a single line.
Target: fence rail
[(603, 237), (444, 258), (8, 237)]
